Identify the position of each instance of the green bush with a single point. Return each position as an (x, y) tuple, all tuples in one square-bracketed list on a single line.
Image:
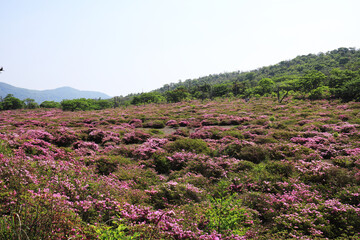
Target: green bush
[(280, 168), (174, 193), (11, 102), (154, 124), (118, 232), (233, 133), (227, 213), (5, 148), (105, 166), (50, 104), (252, 153), (83, 104), (162, 164), (156, 132), (189, 145), (244, 165), (322, 92)]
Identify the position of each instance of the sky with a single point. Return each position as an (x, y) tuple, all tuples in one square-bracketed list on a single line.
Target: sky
[(120, 47)]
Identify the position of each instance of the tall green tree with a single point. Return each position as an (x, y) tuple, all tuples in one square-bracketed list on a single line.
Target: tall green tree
[(312, 80), (266, 85), (30, 103), (220, 90), (350, 90), (11, 102), (75, 104), (50, 104), (339, 77), (177, 95), (150, 97)]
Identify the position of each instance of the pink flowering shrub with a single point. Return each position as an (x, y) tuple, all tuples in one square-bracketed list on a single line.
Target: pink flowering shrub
[(208, 133), (233, 120), (137, 123), (174, 193), (39, 134), (212, 168), (154, 124), (101, 137), (85, 148), (172, 123), (148, 148), (64, 137), (135, 137), (228, 170), (183, 123), (209, 122)]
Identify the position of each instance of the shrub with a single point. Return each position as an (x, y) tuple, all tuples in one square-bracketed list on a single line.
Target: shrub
[(138, 123), (284, 134), (208, 132), (154, 124), (280, 168), (5, 148), (119, 231), (174, 193), (182, 132), (250, 152), (101, 137), (264, 140), (105, 166), (343, 161), (42, 213), (64, 137), (209, 122), (244, 165), (135, 137), (189, 145), (226, 212), (232, 133), (50, 104), (172, 123), (162, 164), (183, 123)]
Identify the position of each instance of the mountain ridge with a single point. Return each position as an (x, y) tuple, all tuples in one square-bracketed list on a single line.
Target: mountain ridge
[(57, 94)]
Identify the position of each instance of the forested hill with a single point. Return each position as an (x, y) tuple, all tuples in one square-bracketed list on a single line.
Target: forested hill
[(40, 96), (342, 58)]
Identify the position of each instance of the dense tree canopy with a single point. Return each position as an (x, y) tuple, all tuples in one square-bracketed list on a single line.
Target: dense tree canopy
[(11, 102), (323, 74)]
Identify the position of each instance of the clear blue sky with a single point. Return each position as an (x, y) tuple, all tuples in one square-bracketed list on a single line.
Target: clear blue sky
[(128, 46)]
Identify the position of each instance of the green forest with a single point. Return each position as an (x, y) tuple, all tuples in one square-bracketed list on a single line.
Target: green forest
[(331, 75)]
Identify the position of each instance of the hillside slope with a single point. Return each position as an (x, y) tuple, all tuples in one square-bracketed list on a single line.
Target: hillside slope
[(342, 58)]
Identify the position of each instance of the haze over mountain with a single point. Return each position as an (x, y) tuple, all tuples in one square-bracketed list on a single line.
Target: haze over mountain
[(57, 94)]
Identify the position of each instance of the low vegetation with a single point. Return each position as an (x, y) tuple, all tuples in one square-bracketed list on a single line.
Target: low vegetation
[(210, 169)]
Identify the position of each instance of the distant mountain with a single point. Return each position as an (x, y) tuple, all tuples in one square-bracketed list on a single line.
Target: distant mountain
[(40, 96)]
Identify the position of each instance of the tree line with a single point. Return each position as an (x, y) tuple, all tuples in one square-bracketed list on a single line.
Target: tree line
[(335, 74), (10, 102), (314, 85)]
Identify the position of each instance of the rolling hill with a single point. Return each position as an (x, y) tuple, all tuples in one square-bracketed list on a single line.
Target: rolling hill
[(57, 94), (342, 58)]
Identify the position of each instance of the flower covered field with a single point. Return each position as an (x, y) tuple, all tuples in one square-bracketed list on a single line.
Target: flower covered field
[(225, 169)]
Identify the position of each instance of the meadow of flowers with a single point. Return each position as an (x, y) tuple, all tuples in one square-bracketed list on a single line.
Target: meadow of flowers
[(225, 169)]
